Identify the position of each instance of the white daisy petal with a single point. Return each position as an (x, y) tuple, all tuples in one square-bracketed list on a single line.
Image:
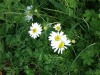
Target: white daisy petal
[(59, 51), (55, 49)]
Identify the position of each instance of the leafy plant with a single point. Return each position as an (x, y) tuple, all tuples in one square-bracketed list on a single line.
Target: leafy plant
[(22, 55)]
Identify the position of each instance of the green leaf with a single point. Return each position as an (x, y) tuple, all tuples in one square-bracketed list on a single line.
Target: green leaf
[(88, 55), (1, 52), (97, 72), (29, 71), (88, 61), (87, 15), (30, 52), (58, 5)]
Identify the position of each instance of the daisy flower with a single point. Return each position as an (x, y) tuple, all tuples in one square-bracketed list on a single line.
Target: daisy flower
[(57, 27), (57, 36), (35, 30), (59, 41), (29, 8), (60, 46), (28, 13)]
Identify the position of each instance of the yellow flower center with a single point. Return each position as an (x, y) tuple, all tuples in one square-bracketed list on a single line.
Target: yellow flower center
[(61, 45), (58, 38), (58, 28), (34, 30)]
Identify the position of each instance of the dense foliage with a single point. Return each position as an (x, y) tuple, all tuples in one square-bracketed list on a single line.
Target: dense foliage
[(22, 55)]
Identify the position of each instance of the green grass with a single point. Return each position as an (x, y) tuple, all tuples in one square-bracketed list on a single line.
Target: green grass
[(22, 55)]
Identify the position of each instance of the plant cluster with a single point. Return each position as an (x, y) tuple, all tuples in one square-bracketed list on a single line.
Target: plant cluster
[(33, 31)]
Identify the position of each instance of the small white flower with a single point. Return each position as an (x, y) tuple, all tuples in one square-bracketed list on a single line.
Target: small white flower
[(59, 41), (35, 30), (57, 27), (60, 46), (28, 17), (29, 8), (57, 36), (28, 13)]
